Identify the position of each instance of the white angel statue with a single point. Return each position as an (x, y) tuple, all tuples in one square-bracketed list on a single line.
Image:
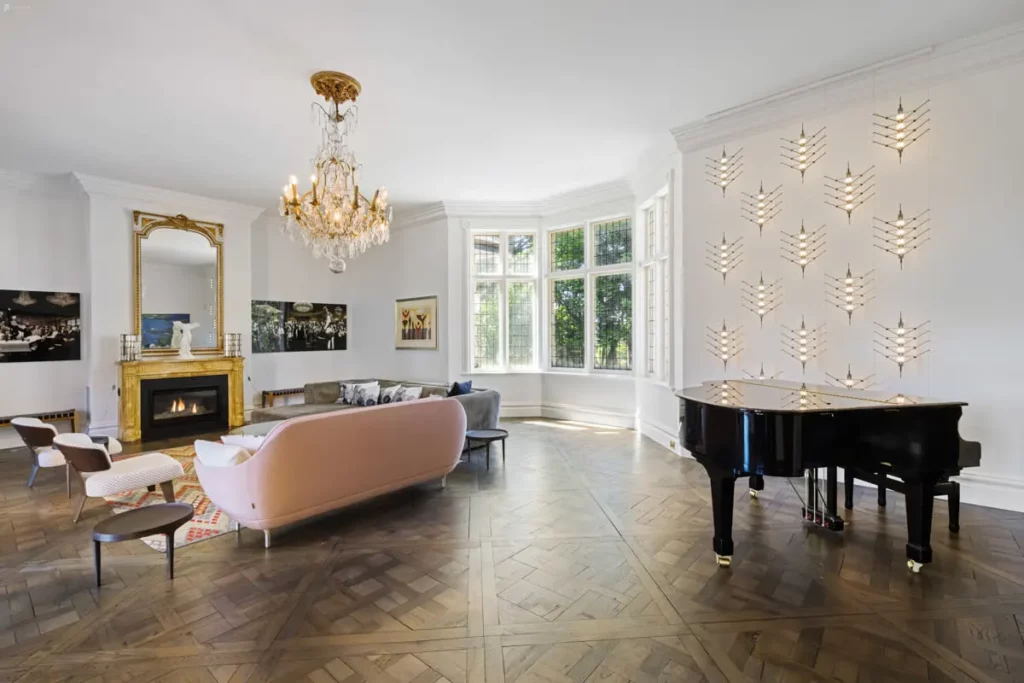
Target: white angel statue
[(183, 331)]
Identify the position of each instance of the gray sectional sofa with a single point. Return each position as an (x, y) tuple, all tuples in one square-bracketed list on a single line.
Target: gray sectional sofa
[(481, 405)]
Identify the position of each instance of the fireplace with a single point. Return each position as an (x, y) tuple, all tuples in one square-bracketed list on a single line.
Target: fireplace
[(180, 406)]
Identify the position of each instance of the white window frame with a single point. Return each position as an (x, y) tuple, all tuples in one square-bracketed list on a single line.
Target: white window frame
[(589, 273), (657, 256), (503, 277)]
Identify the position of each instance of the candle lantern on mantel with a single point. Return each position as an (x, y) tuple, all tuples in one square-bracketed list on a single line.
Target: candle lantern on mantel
[(232, 344), (130, 347)]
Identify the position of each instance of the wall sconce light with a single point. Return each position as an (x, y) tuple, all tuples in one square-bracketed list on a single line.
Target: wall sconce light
[(851, 191), (804, 247), (803, 344), (850, 382), (721, 172), (803, 152), (901, 344), (761, 375), (762, 207), (902, 129), (901, 236), (725, 256), (762, 298), (725, 344), (849, 292)]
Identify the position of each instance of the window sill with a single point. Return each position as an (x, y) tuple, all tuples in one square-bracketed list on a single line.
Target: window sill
[(562, 372)]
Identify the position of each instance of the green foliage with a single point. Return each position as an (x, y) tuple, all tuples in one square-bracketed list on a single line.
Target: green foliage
[(613, 322), (485, 320), (568, 303), (613, 242), (568, 249), (520, 323)]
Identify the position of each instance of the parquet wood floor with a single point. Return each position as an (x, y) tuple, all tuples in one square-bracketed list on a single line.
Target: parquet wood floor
[(587, 557)]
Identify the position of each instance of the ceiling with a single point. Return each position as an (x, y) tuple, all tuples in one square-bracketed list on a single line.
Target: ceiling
[(462, 99)]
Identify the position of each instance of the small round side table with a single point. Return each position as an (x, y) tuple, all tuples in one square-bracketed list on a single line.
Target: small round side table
[(487, 436), (163, 518)]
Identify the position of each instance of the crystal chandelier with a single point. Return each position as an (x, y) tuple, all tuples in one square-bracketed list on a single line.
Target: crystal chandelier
[(333, 218)]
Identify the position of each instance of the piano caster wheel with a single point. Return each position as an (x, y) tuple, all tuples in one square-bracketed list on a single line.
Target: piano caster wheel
[(913, 566), (753, 493), (723, 560)]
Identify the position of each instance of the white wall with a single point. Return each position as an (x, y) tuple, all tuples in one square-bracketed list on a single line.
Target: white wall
[(963, 281), (42, 242), (412, 264)]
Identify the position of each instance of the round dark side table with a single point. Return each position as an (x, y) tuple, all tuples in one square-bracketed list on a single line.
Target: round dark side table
[(163, 518), (487, 436)]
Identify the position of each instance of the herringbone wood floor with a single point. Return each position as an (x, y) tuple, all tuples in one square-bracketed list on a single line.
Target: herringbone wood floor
[(587, 557)]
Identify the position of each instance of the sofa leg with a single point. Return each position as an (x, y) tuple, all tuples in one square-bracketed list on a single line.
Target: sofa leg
[(238, 527), (266, 538)]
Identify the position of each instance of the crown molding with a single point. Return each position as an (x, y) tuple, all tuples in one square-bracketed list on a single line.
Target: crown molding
[(418, 216), (567, 201), (172, 201), (20, 180), (925, 67)]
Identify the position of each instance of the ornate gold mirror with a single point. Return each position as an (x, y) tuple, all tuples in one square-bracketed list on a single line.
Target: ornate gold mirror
[(179, 283)]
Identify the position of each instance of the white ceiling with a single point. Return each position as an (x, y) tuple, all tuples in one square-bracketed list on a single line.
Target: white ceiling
[(462, 99)]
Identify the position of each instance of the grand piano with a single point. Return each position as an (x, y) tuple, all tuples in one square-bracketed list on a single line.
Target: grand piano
[(756, 428)]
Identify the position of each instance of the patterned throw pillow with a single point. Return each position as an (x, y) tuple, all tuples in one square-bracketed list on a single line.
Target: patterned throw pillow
[(367, 394), (390, 394), (408, 394), (348, 393)]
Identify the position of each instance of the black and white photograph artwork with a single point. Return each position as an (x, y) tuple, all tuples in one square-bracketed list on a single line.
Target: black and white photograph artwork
[(315, 327), (39, 326), (267, 326)]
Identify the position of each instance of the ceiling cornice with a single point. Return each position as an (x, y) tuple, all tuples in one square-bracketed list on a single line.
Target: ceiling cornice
[(425, 214), (567, 201), (924, 67), (18, 180), (173, 202)]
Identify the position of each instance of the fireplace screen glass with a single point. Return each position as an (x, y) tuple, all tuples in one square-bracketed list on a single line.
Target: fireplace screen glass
[(169, 405)]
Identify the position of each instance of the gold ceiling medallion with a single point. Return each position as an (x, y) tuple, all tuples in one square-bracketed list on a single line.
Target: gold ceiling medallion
[(335, 86), (334, 218), (903, 128)]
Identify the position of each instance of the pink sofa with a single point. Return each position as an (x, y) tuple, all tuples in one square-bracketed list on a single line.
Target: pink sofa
[(311, 465)]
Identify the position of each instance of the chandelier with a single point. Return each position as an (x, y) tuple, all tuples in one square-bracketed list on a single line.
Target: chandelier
[(333, 218)]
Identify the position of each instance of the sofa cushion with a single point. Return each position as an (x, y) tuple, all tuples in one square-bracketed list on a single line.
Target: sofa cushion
[(322, 392), (387, 395), (408, 394), (460, 388), (367, 394), (215, 454), (295, 410), (249, 442)]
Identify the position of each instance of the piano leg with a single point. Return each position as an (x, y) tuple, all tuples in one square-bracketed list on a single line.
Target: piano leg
[(756, 484), (723, 490), (920, 494), (848, 482), (882, 481), (954, 507)]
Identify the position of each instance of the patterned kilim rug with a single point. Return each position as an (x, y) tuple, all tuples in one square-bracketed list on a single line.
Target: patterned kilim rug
[(208, 520)]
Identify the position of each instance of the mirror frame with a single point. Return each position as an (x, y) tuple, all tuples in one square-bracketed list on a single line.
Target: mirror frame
[(143, 224)]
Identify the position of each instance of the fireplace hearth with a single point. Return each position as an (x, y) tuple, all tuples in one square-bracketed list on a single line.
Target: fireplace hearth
[(181, 406)]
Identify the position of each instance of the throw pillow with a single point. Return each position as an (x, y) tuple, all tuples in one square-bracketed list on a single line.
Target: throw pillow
[(349, 393), (213, 454), (408, 394), (461, 388), (389, 394), (247, 441), (367, 394)]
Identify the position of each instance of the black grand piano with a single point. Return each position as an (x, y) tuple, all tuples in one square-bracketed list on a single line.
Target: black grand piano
[(756, 428)]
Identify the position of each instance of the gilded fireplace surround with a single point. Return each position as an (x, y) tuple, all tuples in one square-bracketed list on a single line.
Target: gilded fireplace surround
[(133, 372)]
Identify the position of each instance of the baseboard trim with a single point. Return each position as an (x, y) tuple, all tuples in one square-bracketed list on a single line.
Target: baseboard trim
[(520, 409), (662, 434), (565, 411)]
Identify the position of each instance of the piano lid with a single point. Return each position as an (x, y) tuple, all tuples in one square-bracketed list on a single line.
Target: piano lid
[(783, 396)]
